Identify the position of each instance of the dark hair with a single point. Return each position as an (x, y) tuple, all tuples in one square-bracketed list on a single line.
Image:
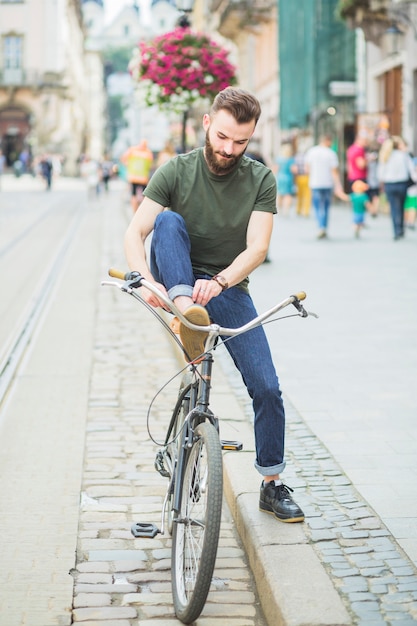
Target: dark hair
[(240, 103)]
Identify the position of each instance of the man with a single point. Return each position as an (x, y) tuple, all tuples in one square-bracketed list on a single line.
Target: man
[(356, 160), (322, 165), (215, 234), (138, 160)]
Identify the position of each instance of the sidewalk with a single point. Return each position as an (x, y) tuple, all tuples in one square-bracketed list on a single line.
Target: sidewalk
[(342, 566)]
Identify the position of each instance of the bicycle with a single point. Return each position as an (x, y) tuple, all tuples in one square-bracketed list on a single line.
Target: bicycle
[(191, 458)]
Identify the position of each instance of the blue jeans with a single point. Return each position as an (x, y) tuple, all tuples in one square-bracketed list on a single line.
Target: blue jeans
[(321, 203), (171, 265), (396, 194)]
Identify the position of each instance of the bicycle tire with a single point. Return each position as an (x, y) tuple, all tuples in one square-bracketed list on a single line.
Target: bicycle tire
[(196, 529)]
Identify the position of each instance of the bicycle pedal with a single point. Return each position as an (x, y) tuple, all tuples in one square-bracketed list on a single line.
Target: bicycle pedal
[(231, 445), (141, 529)]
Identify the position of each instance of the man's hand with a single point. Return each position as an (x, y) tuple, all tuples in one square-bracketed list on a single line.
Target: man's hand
[(152, 299), (205, 290)]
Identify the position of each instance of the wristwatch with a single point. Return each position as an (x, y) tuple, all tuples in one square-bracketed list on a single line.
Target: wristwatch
[(220, 280)]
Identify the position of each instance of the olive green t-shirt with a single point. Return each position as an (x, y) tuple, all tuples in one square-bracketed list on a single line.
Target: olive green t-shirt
[(216, 209)]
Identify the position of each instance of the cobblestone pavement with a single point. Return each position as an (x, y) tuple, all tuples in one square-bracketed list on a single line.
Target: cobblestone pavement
[(120, 580), (376, 579)]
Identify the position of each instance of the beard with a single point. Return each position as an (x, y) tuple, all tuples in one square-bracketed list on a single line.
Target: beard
[(216, 163)]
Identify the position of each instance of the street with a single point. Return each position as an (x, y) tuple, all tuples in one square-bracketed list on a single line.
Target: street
[(76, 460)]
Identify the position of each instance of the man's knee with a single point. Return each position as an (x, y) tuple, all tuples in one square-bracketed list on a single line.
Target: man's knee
[(169, 218)]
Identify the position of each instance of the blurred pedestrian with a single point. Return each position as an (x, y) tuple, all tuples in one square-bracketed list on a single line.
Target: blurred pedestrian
[(372, 179), (90, 171), (254, 153), (46, 170), (410, 207), (395, 169), (322, 164), (167, 152), (106, 168), (138, 160), (24, 158), (303, 190), (356, 159), (360, 204), (2, 164), (285, 178)]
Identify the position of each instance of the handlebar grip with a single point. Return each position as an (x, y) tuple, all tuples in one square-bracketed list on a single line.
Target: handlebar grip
[(117, 273), (301, 295)]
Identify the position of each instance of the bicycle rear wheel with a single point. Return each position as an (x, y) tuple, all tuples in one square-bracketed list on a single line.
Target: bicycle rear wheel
[(197, 526)]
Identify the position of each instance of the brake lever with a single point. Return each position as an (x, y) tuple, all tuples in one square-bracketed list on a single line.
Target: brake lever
[(302, 311)]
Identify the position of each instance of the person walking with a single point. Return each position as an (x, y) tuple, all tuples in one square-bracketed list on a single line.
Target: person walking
[(372, 179), (322, 164), (216, 232), (285, 178), (395, 169), (167, 152), (356, 159), (90, 171), (46, 170), (2, 164), (303, 203), (138, 161), (360, 204)]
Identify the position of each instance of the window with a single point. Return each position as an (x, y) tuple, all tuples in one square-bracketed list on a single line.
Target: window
[(12, 52)]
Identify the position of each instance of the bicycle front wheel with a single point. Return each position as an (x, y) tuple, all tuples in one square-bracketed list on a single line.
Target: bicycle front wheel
[(197, 526)]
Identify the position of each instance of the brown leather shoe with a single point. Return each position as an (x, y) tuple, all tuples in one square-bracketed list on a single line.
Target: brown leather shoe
[(193, 340)]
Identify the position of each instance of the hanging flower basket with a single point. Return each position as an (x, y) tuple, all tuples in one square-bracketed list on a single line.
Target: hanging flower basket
[(179, 68)]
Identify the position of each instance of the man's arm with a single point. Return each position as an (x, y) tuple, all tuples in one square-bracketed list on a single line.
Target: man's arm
[(338, 188), (140, 227)]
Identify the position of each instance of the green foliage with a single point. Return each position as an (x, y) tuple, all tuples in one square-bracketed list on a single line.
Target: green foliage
[(115, 115), (117, 59)]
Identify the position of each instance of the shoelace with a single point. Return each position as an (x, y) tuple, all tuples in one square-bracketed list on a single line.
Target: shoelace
[(284, 491)]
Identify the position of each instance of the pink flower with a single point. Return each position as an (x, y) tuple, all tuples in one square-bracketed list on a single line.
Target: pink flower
[(184, 63)]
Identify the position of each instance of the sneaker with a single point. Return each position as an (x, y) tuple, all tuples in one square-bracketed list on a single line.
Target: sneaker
[(276, 499), (193, 340)]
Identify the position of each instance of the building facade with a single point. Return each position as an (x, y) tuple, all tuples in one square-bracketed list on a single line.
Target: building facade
[(318, 75), (249, 31), (44, 84), (390, 31)]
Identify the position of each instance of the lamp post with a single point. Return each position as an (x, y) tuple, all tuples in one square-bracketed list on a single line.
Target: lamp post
[(185, 6)]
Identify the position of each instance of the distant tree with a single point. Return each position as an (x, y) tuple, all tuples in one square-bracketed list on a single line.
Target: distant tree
[(115, 112), (116, 59)]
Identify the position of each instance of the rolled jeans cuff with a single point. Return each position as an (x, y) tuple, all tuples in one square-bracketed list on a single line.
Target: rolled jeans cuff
[(180, 290), (271, 470)]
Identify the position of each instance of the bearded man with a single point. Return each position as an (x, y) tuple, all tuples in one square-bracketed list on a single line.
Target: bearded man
[(211, 214)]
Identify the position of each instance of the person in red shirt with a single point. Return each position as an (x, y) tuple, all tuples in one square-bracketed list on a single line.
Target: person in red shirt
[(356, 160)]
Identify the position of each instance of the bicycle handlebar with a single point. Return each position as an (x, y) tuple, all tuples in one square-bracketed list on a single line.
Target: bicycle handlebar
[(133, 280)]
